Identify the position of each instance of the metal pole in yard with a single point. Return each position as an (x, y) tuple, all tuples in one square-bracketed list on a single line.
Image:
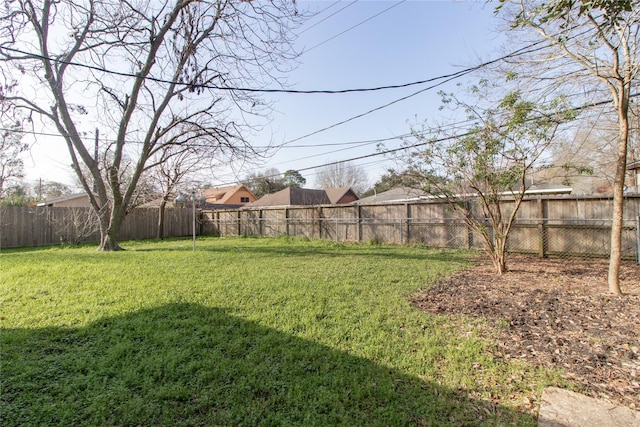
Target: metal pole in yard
[(193, 206)]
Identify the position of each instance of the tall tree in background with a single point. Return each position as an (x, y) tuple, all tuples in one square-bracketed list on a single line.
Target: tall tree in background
[(293, 179), (594, 43), (171, 169), (271, 180), (11, 164), (343, 174), (144, 71), (266, 182), (393, 179)]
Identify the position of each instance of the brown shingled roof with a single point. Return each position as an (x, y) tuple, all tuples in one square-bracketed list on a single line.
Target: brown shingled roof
[(221, 195), (292, 197)]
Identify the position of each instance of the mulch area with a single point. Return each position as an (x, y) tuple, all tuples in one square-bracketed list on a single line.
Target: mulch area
[(555, 312)]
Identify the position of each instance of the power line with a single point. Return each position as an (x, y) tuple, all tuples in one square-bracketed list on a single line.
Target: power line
[(366, 141), (334, 13), (521, 51), (229, 88), (447, 78), (351, 28), (443, 139)]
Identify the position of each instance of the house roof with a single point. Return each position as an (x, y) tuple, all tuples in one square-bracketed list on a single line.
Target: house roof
[(547, 188), (221, 195), (216, 198), (398, 194), (406, 194), (65, 198), (293, 196), (335, 194)]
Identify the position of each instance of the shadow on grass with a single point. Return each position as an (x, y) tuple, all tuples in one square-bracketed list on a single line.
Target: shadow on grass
[(186, 364)]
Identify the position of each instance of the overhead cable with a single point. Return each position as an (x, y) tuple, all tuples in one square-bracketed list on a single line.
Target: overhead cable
[(351, 28)]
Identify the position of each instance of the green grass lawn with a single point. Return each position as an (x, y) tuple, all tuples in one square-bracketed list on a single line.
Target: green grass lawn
[(243, 332)]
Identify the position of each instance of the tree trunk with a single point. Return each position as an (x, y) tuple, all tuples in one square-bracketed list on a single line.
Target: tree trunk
[(109, 244), (161, 211), (615, 255), (110, 230), (500, 256)]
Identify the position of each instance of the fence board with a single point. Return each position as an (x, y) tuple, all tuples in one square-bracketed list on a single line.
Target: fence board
[(544, 225), (550, 225), (39, 226)]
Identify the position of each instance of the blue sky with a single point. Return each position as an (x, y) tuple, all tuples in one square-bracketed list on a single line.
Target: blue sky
[(415, 40)]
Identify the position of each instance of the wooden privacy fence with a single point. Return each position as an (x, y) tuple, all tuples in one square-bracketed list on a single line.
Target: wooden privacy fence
[(23, 226), (563, 225)]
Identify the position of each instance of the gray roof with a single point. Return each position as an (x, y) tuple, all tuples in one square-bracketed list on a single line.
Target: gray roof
[(406, 194), (399, 194)]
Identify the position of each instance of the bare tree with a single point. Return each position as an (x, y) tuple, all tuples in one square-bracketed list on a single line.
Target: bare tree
[(146, 71), (343, 174), (11, 165), (593, 45), (584, 158), (75, 225), (172, 169)]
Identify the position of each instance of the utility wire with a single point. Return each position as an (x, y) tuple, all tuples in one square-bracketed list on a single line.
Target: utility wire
[(447, 78), (229, 88), (366, 141), (521, 51), (334, 13), (420, 144), (351, 28)]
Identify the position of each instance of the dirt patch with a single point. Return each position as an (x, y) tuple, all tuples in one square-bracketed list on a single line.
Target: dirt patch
[(555, 312)]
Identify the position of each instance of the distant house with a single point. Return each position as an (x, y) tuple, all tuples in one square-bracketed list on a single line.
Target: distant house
[(77, 200), (306, 197), (406, 194), (341, 195), (395, 195), (230, 197), (546, 188)]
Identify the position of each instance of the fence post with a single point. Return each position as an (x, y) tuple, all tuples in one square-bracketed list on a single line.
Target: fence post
[(408, 228), (542, 228), (239, 223), (261, 222), (638, 237), (359, 224)]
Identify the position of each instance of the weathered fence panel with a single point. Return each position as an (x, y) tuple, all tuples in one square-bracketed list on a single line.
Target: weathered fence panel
[(303, 222), (561, 225), (39, 226)]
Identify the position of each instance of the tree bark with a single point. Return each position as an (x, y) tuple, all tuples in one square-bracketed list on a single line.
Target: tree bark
[(110, 223), (161, 211), (615, 257)]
